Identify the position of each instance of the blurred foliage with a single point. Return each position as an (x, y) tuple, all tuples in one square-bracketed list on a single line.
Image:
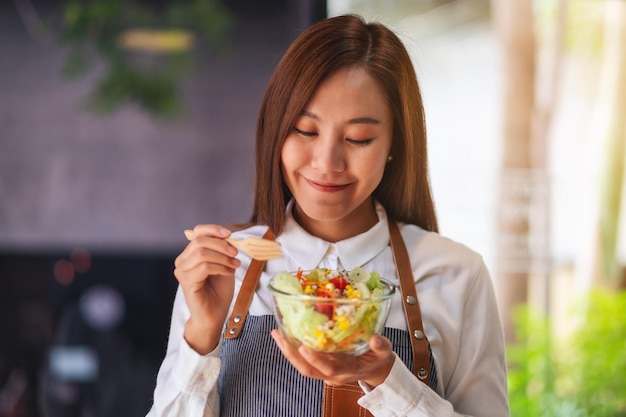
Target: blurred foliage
[(574, 374), (148, 78)]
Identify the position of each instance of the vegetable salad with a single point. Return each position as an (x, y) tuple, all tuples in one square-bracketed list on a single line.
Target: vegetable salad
[(339, 312)]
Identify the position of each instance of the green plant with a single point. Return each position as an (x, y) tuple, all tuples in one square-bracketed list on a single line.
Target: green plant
[(579, 374), (598, 355), (146, 74)]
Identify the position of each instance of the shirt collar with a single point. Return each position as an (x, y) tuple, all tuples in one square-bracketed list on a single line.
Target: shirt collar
[(308, 251)]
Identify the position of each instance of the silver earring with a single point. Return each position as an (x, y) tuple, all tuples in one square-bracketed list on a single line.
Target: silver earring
[(389, 158)]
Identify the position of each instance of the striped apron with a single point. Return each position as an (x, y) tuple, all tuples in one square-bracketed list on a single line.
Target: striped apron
[(257, 381)]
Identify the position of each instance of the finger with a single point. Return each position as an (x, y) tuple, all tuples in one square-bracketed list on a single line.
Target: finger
[(342, 368), (206, 249), (335, 365), (203, 255), (294, 357), (199, 268), (202, 263), (381, 361), (205, 230), (201, 272), (212, 230)]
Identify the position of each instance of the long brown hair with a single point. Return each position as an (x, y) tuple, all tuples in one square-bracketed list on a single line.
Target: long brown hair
[(322, 49)]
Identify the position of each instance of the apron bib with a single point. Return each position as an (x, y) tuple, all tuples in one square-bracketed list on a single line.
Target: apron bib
[(257, 380)]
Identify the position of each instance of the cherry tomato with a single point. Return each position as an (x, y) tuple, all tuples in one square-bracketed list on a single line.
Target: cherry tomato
[(339, 283), (324, 308)]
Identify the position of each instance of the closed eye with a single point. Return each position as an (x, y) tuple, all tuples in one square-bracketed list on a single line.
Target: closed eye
[(359, 142), (304, 133)]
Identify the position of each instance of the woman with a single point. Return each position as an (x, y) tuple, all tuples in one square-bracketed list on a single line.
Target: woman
[(341, 148)]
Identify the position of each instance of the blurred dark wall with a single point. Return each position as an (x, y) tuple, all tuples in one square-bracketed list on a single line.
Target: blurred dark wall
[(69, 177)]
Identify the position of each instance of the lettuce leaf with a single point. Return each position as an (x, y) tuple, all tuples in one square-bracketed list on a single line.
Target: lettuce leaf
[(287, 283)]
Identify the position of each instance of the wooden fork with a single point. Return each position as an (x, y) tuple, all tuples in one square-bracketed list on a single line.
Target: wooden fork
[(257, 248)]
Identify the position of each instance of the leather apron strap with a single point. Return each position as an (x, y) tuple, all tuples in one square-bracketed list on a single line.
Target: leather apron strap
[(410, 302), (246, 292)]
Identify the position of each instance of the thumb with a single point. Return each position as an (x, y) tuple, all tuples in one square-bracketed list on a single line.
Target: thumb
[(380, 345)]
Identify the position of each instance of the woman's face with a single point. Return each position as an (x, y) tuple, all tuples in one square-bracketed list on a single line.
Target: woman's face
[(336, 154)]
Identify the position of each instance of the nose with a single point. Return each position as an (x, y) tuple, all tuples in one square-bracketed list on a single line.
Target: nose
[(328, 155)]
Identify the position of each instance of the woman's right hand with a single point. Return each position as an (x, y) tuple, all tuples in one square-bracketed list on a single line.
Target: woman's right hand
[(205, 270)]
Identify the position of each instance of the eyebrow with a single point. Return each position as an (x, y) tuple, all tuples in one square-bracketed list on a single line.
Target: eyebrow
[(356, 120)]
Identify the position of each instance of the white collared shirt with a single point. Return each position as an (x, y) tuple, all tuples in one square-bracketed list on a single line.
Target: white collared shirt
[(458, 307)]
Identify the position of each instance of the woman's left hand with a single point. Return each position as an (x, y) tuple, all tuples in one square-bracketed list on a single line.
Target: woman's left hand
[(372, 367)]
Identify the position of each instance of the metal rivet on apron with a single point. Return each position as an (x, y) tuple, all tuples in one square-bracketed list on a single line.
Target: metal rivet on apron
[(233, 330), (237, 319), (422, 374), (410, 300), (418, 334)]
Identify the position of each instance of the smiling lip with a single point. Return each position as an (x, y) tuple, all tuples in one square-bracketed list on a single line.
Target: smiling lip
[(327, 187)]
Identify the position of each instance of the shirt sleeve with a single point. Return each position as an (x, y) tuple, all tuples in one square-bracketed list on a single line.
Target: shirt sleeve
[(402, 394), (187, 381), (478, 385)]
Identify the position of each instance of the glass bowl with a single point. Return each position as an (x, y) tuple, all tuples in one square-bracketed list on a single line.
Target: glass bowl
[(338, 312)]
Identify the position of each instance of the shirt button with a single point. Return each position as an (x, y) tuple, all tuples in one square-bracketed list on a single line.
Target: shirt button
[(206, 375), (376, 406)]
